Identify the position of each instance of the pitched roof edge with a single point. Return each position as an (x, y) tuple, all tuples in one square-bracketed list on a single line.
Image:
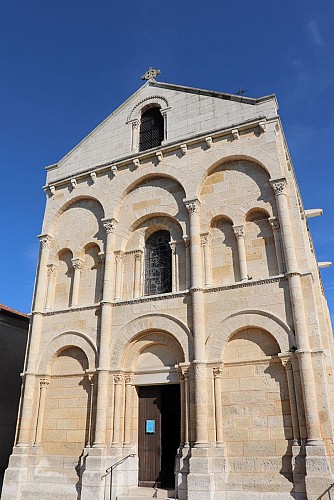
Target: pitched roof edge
[(213, 93), (92, 132), (13, 311)]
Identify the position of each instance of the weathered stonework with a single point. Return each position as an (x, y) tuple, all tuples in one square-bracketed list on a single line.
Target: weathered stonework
[(244, 328)]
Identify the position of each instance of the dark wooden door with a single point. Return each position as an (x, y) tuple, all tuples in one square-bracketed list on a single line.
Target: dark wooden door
[(149, 435), (158, 434)]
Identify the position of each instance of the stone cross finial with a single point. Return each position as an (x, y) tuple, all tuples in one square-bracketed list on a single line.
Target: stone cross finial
[(151, 74)]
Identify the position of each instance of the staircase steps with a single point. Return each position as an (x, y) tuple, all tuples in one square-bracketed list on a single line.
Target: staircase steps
[(140, 493)]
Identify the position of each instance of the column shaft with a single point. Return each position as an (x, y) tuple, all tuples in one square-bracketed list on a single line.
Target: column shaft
[(137, 292), (52, 274), (207, 260), (297, 304), (128, 410), (293, 403), (78, 266), (118, 385), (41, 408), (119, 275), (34, 337), (106, 320), (218, 405), (278, 244), (240, 234)]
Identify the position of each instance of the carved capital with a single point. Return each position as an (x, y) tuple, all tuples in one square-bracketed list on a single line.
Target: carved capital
[(44, 382), (192, 206), (239, 231), (279, 186), (77, 263), (128, 379), (287, 364), (45, 240), (274, 222), (135, 124), (172, 245), (118, 378), (138, 255), (110, 225), (119, 256), (52, 269), (186, 242), (205, 240), (217, 372)]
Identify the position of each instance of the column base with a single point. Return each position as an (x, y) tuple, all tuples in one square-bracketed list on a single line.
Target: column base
[(319, 479), (16, 474), (207, 474)]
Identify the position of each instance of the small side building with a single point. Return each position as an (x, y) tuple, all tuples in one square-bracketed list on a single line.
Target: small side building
[(13, 338)]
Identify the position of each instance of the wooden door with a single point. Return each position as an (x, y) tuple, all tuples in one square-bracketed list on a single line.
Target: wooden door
[(149, 435), (158, 434)]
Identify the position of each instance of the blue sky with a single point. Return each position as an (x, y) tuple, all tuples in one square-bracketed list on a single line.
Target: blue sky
[(65, 65)]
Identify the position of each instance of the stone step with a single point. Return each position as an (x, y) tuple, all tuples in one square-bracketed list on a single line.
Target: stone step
[(141, 493), (47, 491)]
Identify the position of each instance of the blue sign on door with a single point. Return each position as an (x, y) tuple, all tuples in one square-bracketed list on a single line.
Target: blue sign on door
[(150, 426)]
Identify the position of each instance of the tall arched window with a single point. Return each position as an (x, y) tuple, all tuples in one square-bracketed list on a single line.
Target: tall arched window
[(151, 129), (158, 264)]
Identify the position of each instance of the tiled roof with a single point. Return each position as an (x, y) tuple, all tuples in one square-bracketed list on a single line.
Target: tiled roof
[(9, 309)]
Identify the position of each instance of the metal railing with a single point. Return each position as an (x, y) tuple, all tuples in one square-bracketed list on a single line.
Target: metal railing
[(328, 494), (110, 470)]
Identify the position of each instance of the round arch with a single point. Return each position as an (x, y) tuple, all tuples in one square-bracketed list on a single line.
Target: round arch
[(220, 335), (63, 341), (157, 100), (55, 209), (160, 323)]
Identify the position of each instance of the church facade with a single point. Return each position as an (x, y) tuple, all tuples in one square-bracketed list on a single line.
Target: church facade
[(180, 336)]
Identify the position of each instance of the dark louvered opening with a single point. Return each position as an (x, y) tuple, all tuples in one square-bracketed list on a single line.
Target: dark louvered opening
[(151, 129)]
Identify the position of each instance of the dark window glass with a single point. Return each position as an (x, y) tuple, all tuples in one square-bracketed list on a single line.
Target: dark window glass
[(158, 264), (151, 129)]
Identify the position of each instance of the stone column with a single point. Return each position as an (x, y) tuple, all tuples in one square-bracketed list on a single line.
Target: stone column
[(182, 396), (239, 231), (137, 287), (128, 409), (91, 379), (52, 274), (78, 266), (119, 275), (199, 362), (217, 373), (135, 135), (187, 250), (186, 407), (118, 387), (278, 244), (175, 276), (205, 242), (297, 303), (110, 226), (43, 385), (293, 403), (34, 342)]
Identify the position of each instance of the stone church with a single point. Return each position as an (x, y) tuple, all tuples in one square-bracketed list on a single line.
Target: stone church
[(180, 337)]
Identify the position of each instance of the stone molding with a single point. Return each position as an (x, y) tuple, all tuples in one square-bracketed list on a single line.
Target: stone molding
[(172, 146), (61, 341)]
